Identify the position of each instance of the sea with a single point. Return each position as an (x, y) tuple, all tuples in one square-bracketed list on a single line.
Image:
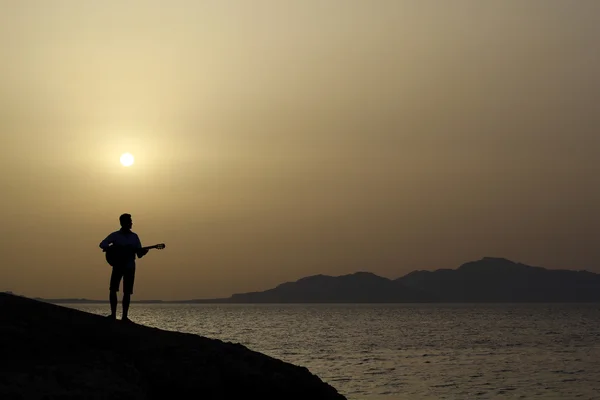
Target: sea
[(410, 351)]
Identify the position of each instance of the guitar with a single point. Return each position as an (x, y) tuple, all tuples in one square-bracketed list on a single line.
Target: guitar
[(114, 254)]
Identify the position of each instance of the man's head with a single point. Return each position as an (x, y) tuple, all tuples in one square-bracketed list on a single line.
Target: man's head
[(125, 220)]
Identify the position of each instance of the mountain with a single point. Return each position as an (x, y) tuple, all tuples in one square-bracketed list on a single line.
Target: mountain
[(360, 287), (490, 279), (494, 279)]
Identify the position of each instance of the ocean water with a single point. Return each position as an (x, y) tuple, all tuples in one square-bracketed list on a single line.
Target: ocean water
[(409, 351)]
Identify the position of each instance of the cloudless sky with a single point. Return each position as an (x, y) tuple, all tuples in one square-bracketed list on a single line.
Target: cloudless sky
[(279, 139)]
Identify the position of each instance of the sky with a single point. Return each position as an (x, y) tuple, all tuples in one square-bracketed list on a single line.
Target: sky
[(275, 140)]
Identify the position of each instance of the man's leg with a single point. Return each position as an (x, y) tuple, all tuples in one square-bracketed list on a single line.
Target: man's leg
[(128, 278), (126, 300), (113, 304), (115, 281)]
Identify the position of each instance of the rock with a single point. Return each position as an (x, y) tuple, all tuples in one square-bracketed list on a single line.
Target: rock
[(49, 351)]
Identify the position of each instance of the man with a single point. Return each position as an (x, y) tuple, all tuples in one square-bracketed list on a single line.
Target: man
[(128, 245)]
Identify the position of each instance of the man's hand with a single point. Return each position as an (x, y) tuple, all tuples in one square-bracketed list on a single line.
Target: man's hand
[(141, 252)]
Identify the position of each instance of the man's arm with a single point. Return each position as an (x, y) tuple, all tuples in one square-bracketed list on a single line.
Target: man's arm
[(105, 244), (139, 251)]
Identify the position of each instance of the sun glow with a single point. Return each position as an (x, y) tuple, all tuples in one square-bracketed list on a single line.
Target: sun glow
[(127, 159)]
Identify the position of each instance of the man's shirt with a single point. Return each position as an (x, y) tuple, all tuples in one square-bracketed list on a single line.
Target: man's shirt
[(123, 238)]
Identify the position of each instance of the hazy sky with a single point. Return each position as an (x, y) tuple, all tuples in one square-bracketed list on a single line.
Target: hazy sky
[(280, 139)]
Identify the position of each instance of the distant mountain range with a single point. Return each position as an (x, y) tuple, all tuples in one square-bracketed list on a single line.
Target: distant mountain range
[(490, 279)]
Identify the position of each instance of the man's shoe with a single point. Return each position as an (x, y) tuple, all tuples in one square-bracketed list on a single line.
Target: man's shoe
[(125, 319)]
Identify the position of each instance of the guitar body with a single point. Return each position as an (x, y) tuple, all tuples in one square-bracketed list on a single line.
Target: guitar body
[(115, 255)]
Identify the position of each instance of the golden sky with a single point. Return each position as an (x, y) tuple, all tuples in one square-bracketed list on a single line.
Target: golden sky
[(279, 139)]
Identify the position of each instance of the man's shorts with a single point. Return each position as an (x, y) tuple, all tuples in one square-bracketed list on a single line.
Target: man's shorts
[(128, 276)]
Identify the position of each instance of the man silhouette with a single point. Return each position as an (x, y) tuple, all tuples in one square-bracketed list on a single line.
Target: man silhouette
[(128, 244)]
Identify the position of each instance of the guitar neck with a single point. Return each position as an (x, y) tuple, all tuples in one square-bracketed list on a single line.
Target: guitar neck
[(121, 248)]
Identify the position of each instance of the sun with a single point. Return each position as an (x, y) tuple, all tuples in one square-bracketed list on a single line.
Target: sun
[(127, 159)]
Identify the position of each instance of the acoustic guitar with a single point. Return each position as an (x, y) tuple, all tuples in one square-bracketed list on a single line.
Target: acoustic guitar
[(115, 254)]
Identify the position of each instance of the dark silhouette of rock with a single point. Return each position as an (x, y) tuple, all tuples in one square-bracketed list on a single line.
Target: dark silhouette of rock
[(49, 352)]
